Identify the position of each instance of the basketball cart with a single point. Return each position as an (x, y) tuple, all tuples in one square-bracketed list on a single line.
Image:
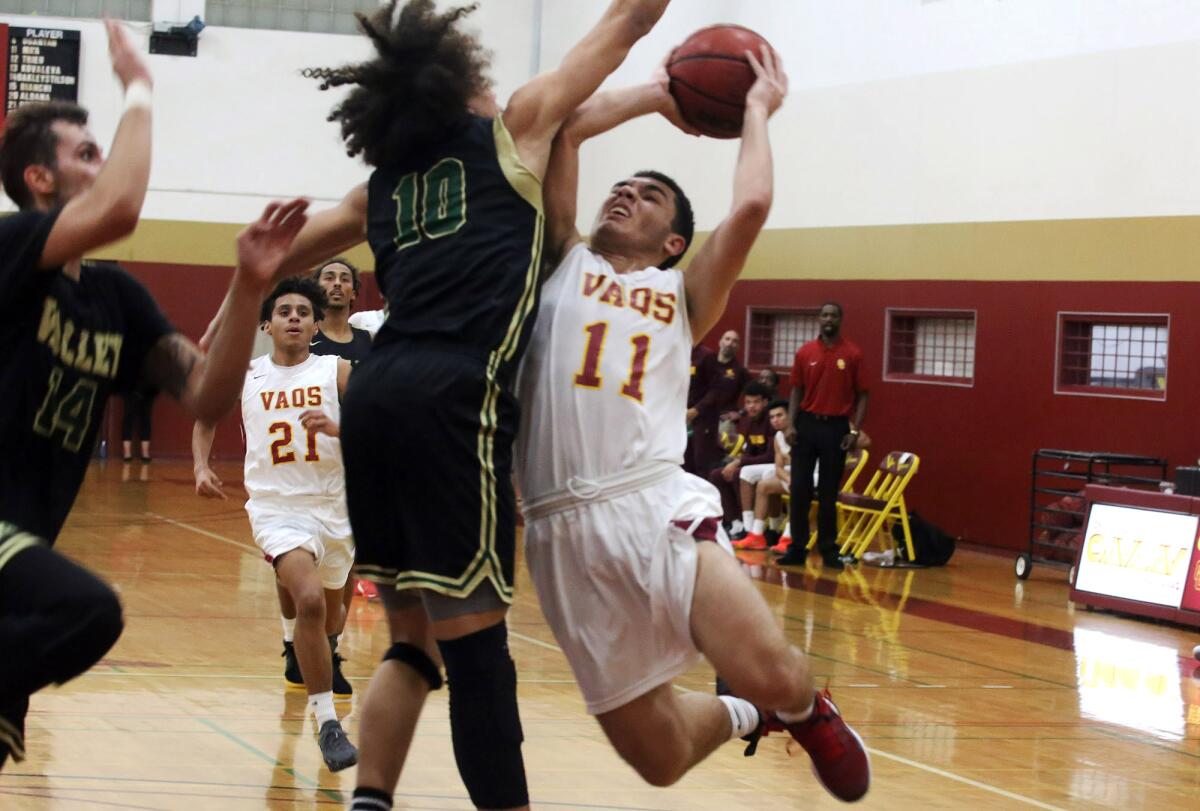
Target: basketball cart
[(1057, 505)]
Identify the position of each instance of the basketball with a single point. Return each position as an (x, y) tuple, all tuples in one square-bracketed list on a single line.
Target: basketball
[(710, 77)]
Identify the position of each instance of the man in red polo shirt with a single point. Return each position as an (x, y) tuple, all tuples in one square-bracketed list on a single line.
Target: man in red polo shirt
[(828, 406)]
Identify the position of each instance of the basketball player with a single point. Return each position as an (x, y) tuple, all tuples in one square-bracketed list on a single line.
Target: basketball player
[(610, 353), (453, 214), (297, 506), (334, 336), (74, 332)]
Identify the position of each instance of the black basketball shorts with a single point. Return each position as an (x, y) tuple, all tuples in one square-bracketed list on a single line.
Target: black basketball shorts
[(427, 437)]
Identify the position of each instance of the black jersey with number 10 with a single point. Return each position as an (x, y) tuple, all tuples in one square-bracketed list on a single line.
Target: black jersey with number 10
[(457, 238)]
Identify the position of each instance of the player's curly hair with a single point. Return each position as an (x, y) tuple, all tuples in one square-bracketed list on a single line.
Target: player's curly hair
[(301, 285), (414, 93)]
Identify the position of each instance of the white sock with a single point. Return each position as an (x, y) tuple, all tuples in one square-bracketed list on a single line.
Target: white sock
[(747, 518), (289, 628), (796, 717), (759, 526), (743, 716), (322, 706), (787, 530)]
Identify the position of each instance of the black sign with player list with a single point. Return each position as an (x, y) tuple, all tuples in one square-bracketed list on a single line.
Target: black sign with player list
[(43, 65)]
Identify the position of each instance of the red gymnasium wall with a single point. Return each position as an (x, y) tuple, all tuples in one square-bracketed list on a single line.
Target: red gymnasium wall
[(976, 443)]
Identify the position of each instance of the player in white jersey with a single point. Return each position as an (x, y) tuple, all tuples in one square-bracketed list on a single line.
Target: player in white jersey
[(294, 476), (615, 530)]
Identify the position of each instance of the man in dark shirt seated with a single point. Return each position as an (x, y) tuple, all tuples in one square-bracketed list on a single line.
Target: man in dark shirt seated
[(756, 435)]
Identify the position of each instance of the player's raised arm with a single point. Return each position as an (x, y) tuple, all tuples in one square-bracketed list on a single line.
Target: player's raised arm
[(207, 384), (110, 209), (537, 110), (328, 233), (602, 112), (712, 274)]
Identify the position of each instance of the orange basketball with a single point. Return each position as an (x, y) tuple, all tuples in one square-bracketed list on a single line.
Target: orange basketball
[(710, 77)]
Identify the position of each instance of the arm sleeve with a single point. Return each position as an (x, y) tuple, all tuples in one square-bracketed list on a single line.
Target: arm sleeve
[(859, 376), (145, 325), (22, 238)]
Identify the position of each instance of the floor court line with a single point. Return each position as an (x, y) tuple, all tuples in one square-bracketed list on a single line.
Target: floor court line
[(1009, 795), (246, 548), (539, 643)]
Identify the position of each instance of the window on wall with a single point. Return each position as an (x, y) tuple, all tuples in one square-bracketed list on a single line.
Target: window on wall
[(775, 335), (1116, 355), (931, 346), (132, 10), (321, 16)]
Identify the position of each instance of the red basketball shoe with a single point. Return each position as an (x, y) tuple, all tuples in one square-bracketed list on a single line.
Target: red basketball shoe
[(839, 759)]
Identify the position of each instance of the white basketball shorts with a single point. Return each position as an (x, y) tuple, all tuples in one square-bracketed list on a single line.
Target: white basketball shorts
[(753, 474), (615, 580), (319, 525)]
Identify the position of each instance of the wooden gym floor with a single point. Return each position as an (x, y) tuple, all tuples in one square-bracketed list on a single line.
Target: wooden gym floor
[(971, 690)]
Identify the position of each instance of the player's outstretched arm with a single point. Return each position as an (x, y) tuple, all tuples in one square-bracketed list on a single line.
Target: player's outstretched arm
[(325, 235), (602, 112), (207, 483), (712, 274), (207, 384), (537, 110), (110, 209)]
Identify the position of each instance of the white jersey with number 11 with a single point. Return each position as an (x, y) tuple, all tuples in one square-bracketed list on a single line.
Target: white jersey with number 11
[(605, 375)]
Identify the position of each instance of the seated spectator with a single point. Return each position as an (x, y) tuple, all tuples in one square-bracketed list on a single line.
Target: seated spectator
[(762, 485), (770, 379), (756, 434)]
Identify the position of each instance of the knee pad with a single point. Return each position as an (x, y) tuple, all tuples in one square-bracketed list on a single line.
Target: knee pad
[(484, 722), (418, 660)]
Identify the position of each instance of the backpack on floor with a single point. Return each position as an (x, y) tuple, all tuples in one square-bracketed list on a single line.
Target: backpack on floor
[(932, 546)]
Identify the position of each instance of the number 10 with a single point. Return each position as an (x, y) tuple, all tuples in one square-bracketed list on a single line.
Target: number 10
[(589, 377)]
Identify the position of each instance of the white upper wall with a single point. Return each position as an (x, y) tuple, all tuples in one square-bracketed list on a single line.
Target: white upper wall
[(237, 125), (902, 111)]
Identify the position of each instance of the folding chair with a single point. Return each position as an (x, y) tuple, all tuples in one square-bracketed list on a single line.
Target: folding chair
[(880, 504), (856, 460)]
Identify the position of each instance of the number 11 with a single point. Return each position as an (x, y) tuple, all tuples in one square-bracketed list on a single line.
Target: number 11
[(588, 376)]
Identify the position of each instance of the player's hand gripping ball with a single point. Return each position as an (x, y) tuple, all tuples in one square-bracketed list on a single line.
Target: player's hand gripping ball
[(710, 76)]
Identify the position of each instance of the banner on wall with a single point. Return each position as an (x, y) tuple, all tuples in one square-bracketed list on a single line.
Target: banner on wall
[(1139, 554), (40, 64)]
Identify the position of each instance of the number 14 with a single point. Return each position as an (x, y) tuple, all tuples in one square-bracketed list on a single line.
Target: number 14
[(589, 377)]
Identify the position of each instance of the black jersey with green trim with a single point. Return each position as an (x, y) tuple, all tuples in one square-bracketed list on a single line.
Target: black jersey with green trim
[(69, 343), (457, 238)]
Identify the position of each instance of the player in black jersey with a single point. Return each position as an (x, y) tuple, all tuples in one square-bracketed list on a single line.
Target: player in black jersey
[(453, 215), (336, 336), (73, 333)]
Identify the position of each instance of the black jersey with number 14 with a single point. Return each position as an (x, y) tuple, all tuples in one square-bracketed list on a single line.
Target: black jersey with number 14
[(457, 238), (67, 345)]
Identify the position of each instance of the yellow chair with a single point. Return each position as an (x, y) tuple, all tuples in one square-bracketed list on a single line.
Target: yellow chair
[(879, 506), (856, 460)]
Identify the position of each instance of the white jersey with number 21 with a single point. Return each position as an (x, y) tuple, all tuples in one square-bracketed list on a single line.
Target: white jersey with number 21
[(605, 376), (282, 458)]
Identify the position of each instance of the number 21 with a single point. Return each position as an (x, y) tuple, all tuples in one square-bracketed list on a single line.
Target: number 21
[(589, 377)]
